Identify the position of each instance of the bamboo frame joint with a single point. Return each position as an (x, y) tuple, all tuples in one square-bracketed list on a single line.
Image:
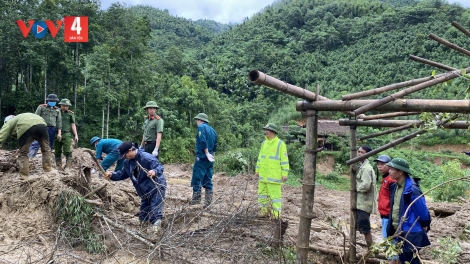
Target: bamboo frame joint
[(313, 151)]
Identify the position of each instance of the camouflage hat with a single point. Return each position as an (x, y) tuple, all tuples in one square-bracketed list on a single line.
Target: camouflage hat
[(202, 117), (151, 104), (400, 164), (272, 127), (65, 101)]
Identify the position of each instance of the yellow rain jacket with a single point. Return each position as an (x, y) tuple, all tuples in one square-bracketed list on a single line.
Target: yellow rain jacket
[(273, 162)]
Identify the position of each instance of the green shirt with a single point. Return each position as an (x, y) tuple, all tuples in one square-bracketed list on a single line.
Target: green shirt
[(68, 117), (51, 115), (366, 188), (152, 126), (396, 203), (19, 124)]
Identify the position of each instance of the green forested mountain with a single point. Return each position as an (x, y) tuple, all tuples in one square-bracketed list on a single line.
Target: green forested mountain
[(142, 53)]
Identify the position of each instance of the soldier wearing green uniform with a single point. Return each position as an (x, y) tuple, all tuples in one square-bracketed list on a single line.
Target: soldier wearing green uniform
[(51, 114), (153, 129), (64, 143)]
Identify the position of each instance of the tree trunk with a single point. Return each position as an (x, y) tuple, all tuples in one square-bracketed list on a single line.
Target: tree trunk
[(102, 125), (107, 122), (84, 88), (353, 198), (76, 82), (119, 110), (45, 80)]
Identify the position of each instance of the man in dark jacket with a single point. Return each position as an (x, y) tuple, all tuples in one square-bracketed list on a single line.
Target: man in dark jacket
[(206, 146), (416, 223), (146, 174)]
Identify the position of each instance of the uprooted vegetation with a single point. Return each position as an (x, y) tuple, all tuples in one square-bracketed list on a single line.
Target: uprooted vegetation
[(58, 217)]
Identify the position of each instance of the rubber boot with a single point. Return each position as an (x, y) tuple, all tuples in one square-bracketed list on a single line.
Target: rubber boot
[(58, 164), (46, 161), (68, 164), (196, 198), (208, 198), (23, 164)]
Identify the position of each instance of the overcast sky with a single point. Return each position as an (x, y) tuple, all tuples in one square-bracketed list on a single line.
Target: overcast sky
[(224, 11)]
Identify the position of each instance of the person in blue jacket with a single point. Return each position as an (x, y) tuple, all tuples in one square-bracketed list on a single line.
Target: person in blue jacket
[(206, 146), (110, 147), (146, 174), (417, 222)]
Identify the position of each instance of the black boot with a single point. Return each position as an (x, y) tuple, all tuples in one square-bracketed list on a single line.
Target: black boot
[(196, 198), (208, 198)]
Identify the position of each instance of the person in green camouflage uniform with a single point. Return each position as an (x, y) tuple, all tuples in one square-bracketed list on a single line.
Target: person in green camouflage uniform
[(51, 114), (153, 129), (64, 143)]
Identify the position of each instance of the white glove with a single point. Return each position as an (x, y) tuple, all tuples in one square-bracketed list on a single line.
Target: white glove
[(93, 171), (155, 152), (210, 157)]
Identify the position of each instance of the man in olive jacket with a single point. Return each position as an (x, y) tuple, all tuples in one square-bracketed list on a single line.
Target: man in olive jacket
[(28, 127), (366, 195)]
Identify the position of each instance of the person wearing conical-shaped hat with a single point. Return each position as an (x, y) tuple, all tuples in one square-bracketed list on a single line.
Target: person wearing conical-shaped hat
[(153, 129)]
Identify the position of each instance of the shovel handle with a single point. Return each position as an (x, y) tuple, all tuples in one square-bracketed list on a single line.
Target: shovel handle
[(96, 161)]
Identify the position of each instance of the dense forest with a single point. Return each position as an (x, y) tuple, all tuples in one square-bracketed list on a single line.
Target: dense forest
[(140, 53)]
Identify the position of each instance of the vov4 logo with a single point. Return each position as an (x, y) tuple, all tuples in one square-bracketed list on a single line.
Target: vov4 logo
[(75, 28)]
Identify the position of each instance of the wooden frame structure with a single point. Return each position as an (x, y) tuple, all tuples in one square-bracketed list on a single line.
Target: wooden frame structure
[(313, 103)]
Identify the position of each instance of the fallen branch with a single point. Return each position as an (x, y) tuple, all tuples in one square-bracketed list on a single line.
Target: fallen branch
[(95, 202), (96, 190)]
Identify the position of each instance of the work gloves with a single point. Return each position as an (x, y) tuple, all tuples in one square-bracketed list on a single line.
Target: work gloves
[(210, 157), (155, 152)]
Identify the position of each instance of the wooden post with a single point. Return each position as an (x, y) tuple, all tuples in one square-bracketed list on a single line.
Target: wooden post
[(352, 197), (449, 44), (462, 29), (308, 188)]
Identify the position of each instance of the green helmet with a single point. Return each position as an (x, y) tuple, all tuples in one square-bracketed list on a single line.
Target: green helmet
[(400, 164), (151, 104), (65, 101), (272, 127), (203, 117)]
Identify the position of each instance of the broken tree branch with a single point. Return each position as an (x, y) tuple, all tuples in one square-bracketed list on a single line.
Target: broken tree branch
[(388, 115)]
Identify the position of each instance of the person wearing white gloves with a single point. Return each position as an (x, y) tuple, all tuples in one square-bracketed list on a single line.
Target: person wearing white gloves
[(206, 146), (153, 129)]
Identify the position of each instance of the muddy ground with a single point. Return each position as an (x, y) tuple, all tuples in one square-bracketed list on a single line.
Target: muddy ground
[(228, 231)]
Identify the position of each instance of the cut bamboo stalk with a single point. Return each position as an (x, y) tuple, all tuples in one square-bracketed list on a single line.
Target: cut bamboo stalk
[(449, 44), (387, 131), (398, 123), (407, 91), (407, 105), (388, 115), (462, 29), (261, 78), (385, 147), (432, 63), (387, 88), (308, 188)]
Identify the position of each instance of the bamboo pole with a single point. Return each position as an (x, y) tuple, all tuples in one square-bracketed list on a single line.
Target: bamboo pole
[(408, 105), (352, 197), (449, 44), (387, 131), (308, 188), (387, 88), (261, 78), (432, 63), (388, 115), (407, 91), (398, 123), (385, 147), (462, 29)]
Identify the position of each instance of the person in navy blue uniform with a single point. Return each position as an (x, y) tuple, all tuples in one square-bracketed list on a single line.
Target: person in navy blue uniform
[(146, 174), (206, 146), (415, 225)]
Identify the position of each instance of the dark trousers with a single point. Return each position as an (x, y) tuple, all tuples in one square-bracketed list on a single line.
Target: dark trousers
[(151, 207), (202, 175), (35, 146), (408, 256), (38, 133), (150, 146)]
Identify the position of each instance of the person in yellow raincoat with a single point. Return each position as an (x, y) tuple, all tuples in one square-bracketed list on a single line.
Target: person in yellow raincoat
[(272, 169)]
